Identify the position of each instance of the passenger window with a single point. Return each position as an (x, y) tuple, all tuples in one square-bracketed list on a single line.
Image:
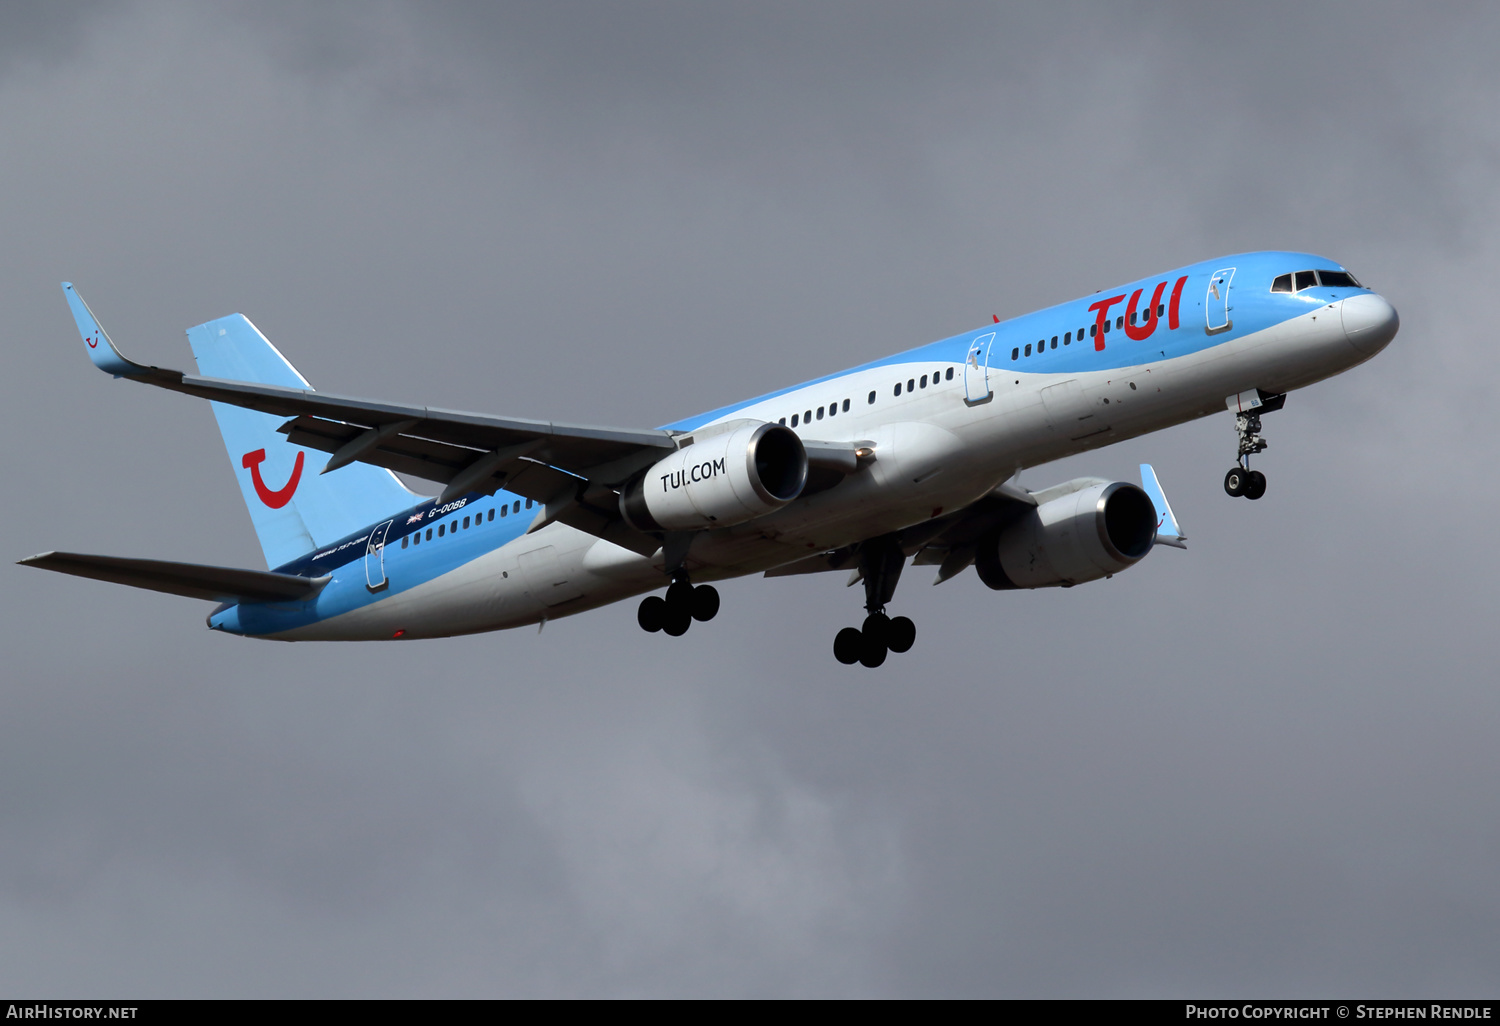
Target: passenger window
[(1337, 280), (871, 401), (948, 374), (924, 380), (504, 510), (516, 507), (820, 413), (846, 403), (404, 540), (911, 384), (1120, 322), (1306, 280), (1054, 341), (807, 417), (898, 388), (796, 419), (1093, 330), (1028, 349), (441, 529), (1068, 339), (1132, 317), (782, 422), (1283, 283), (1161, 309), (491, 517), (466, 523), (1106, 327), (833, 409), (528, 504), (429, 534), (1078, 334), (1015, 353)]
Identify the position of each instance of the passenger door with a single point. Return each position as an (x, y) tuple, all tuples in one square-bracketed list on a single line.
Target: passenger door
[(977, 370), (375, 578), (1216, 303)]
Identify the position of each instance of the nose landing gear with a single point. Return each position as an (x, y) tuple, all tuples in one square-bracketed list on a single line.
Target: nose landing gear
[(1241, 480), (880, 561)]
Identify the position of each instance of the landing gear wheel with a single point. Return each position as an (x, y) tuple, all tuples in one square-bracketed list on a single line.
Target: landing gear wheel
[(652, 613), (1235, 481), (872, 640), (676, 620), (680, 595), (1255, 485), (848, 645), (900, 634), (705, 603), (871, 652)]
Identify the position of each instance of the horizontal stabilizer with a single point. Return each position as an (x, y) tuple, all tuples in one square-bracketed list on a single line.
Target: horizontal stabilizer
[(215, 583)]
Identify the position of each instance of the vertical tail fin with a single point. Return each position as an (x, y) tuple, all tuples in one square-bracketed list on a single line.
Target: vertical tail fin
[(293, 507)]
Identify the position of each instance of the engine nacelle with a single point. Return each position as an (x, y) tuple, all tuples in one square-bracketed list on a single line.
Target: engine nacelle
[(719, 481), (1087, 534)]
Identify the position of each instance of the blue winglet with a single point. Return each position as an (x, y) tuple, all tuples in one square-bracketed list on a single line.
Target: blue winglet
[(100, 349), (1167, 531)]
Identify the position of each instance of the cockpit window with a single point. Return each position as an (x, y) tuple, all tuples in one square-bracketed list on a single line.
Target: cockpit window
[(1306, 280), (1283, 283), (1338, 280)]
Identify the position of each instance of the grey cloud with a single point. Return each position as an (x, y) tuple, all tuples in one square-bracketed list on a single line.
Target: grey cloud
[(1261, 766)]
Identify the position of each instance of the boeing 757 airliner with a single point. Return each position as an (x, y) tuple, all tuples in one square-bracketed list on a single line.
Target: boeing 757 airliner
[(912, 457)]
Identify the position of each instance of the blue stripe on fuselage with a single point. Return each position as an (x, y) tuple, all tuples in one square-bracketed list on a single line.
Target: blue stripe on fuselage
[(1255, 308), (417, 563)]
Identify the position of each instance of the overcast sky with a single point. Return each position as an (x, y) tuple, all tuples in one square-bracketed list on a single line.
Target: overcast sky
[(1266, 766)]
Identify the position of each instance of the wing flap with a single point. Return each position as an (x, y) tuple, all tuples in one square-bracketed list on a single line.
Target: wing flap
[(192, 580)]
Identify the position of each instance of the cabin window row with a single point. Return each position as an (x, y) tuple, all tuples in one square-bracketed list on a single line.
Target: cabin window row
[(1041, 345), (912, 384), (807, 417), (474, 520)]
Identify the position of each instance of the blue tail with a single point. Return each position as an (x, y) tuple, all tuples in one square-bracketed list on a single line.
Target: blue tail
[(295, 509)]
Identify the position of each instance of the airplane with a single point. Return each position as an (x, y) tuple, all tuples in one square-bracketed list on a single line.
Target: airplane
[(913, 457)]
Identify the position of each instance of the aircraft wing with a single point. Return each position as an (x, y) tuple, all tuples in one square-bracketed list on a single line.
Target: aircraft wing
[(570, 469), (215, 583), (469, 450)]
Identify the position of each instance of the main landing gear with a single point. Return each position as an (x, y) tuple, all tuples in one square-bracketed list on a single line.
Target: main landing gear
[(683, 604), (880, 561)]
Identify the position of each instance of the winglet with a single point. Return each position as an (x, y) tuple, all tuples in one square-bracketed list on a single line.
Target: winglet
[(1167, 531), (106, 356)]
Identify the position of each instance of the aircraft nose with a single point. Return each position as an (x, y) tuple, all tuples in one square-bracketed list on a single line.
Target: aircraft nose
[(1369, 322)]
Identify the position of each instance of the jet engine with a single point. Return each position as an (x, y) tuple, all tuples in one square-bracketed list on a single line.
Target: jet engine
[(718, 481), (1097, 530)]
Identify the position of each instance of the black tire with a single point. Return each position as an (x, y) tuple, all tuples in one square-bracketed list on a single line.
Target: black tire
[(1255, 485), (875, 628), (900, 634), (705, 603), (680, 596), (676, 620), (871, 651), (652, 613), (1235, 481), (847, 645)]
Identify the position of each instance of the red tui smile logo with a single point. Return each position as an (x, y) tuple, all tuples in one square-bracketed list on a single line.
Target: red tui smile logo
[(280, 497)]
